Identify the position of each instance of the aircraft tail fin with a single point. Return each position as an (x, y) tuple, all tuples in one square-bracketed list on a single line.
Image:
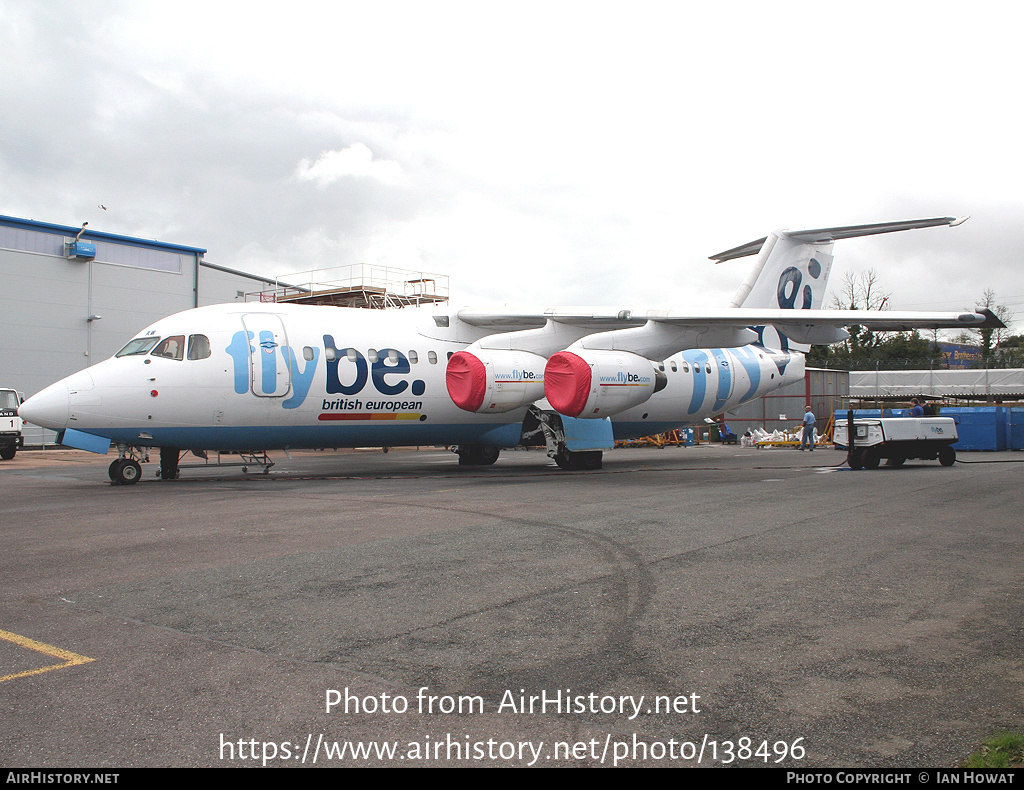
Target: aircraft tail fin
[(792, 267)]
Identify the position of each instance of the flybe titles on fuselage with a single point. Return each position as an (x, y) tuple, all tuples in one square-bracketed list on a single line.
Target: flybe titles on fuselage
[(268, 369)]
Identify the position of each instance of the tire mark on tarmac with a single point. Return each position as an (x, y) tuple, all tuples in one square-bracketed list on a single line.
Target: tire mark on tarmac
[(634, 587)]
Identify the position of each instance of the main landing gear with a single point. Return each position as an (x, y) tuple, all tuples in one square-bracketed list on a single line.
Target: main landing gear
[(540, 428), (477, 454), (578, 461), (547, 425)]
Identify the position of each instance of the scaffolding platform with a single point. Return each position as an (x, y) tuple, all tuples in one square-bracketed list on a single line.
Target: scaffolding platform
[(358, 285)]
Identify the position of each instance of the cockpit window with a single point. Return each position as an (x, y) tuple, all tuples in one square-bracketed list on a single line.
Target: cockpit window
[(198, 347), (171, 347), (9, 400), (140, 345)]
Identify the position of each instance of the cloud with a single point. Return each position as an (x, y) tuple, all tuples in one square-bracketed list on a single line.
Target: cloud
[(524, 160), (356, 161)]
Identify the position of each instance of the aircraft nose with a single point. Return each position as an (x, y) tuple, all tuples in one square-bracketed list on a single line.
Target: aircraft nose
[(48, 408)]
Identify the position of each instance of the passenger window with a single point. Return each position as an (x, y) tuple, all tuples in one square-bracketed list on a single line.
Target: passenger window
[(171, 348), (371, 355), (672, 365), (414, 357), (198, 347), (352, 354), (707, 368), (392, 356), (686, 368), (307, 353), (432, 357), (330, 354)]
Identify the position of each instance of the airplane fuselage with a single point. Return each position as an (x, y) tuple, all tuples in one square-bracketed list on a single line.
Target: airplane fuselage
[(269, 376)]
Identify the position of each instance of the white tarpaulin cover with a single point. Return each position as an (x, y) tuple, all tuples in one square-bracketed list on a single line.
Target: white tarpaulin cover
[(940, 383)]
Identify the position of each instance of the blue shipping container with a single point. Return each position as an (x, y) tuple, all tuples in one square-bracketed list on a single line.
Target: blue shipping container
[(1015, 428), (979, 427)]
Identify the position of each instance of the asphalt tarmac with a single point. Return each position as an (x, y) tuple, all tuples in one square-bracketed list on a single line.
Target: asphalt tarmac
[(682, 606)]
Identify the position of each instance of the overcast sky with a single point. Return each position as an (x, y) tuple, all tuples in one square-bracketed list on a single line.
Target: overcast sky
[(548, 152)]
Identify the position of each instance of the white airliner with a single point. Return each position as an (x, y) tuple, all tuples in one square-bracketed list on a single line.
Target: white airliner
[(252, 377)]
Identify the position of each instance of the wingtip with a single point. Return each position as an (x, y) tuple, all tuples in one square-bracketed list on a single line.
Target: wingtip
[(992, 321)]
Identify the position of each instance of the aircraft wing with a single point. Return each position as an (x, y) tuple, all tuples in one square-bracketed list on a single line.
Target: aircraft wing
[(601, 318), (783, 291), (657, 334)]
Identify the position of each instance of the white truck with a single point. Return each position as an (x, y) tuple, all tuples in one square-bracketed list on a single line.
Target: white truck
[(896, 439), (10, 423)]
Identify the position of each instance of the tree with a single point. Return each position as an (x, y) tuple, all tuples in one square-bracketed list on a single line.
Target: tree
[(865, 348), (861, 291), (990, 339), (1010, 352)]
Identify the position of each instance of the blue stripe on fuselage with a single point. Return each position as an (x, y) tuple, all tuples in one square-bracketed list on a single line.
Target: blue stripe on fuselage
[(724, 378), (697, 360), (747, 357), (324, 435)]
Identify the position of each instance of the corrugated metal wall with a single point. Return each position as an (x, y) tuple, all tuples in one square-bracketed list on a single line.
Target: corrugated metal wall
[(784, 408), (46, 301)]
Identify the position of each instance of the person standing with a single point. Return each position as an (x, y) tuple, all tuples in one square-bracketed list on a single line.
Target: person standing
[(917, 410), (807, 440)]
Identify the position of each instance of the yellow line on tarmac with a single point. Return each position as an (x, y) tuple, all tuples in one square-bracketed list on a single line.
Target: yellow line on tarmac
[(70, 659)]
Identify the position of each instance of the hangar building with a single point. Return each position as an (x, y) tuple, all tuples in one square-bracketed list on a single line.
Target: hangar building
[(72, 296)]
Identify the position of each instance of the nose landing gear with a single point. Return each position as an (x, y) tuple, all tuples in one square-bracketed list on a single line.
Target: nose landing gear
[(124, 472)]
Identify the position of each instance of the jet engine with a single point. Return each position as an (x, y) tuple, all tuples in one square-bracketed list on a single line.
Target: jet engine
[(595, 383), (488, 381)]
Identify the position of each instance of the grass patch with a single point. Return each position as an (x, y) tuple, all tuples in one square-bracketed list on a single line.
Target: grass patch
[(1004, 750)]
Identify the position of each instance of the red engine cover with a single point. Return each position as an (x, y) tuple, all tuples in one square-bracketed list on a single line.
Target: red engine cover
[(567, 380), (466, 379)]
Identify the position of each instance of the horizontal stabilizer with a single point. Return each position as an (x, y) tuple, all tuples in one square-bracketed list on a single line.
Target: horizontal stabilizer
[(817, 235)]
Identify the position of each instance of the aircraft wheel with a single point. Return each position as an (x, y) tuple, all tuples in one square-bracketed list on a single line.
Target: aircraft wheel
[(478, 454), (127, 472), (871, 458), (7, 453), (896, 461), (578, 461), (856, 460), (947, 456), (113, 468)]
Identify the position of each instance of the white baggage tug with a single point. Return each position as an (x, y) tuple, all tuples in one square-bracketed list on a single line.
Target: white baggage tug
[(896, 439)]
